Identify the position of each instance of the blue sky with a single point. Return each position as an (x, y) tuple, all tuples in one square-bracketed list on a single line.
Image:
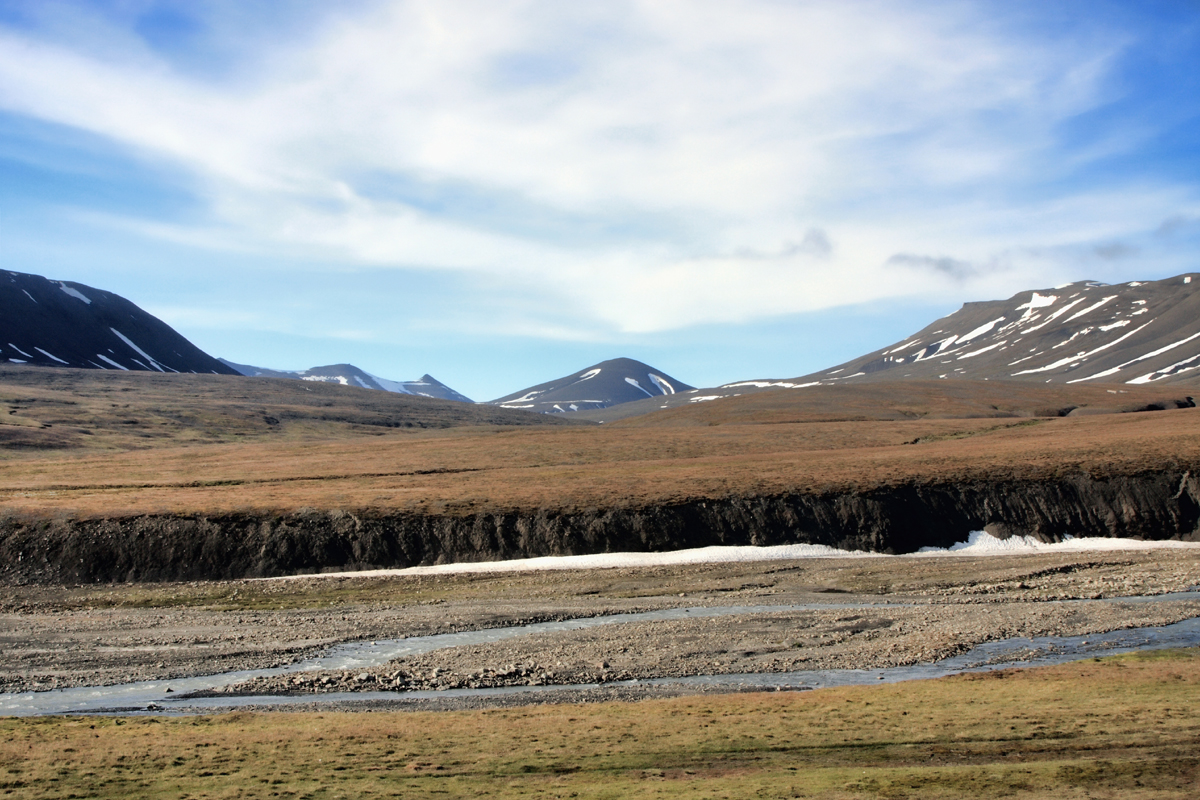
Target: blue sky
[(498, 193)]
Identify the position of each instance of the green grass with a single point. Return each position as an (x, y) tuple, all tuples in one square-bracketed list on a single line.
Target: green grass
[(1120, 727)]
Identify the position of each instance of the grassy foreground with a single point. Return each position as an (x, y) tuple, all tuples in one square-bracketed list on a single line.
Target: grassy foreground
[(1119, 727)]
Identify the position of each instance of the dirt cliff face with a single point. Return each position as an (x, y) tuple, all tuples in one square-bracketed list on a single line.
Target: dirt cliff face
[(900, 519)]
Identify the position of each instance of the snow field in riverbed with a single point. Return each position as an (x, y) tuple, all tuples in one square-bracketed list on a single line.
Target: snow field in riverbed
[(979, 543)]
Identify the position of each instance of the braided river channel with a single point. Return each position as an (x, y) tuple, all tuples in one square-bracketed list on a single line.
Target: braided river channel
[(172, 696)]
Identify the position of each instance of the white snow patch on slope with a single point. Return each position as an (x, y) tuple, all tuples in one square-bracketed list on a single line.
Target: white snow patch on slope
[(19, 350), (142, 352), (1083, 357), (51, 355), (31, 297), (1152, 354), (662, 383), (898, 348), (981, 330), (78, 295), (1048, 319), (342, 379), (633, 382), (974, 353), (705, 398), (1092, 307), (587, 376), (108, 360), (766, 384), (391, 386), (1175, 369), (1036, 302), (978, 544)]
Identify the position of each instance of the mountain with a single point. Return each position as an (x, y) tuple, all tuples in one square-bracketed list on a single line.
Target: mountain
[(1140, 332), (609, 383), (1137, 333), (63, 324), (350, 375)]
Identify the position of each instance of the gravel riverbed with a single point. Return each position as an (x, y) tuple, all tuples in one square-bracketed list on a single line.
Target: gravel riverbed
[(912, 611)]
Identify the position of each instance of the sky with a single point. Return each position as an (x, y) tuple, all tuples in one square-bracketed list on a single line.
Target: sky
[(500, 193)]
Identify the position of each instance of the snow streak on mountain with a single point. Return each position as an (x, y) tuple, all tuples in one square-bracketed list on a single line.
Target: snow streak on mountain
[(62, 324), (1134, 333), (609, 383), (350, 375)]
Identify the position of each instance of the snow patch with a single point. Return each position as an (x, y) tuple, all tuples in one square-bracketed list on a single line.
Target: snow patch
[(108, 360), (31, 297), (768, 384), (1092, 307), (1036, 302), (974, 353), (1082, 357), (51, 355), (78, 295), (983, 543), (587, 376), (981, 330), (898, 348), (1151, 354), (19, 350), (663, 385), (705, 398), (633, 382), (142, 352), (978, 543), (1175, 369)]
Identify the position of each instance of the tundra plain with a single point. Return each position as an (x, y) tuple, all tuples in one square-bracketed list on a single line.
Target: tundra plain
[(115, 449)]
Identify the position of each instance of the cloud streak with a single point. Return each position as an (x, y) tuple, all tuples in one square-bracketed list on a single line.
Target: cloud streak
[(768, 159)]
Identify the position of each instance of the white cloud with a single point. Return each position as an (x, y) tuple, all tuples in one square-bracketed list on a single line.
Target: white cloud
[(718, 132)]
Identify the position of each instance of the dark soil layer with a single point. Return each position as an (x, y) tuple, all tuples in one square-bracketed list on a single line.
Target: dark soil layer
[(899, 519)]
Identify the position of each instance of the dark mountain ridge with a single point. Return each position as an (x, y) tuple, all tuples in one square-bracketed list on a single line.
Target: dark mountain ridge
[(64, 324)]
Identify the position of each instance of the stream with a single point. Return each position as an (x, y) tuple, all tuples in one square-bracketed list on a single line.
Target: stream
[(169, 696)]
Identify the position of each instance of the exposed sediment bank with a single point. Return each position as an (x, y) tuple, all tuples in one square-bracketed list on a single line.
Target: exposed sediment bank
[(888, 519)]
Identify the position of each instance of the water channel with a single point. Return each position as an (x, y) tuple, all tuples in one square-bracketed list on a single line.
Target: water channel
[(169, 696)]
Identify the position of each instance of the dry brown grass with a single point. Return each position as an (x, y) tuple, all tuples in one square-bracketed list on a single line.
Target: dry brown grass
[(1112, 728), (466, 470)]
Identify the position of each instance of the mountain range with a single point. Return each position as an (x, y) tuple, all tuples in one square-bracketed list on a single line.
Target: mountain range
[(1140, 332), (1137, 333), (350, 375)]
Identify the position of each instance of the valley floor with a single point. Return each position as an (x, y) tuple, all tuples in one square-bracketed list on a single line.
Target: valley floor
[(859, 613)]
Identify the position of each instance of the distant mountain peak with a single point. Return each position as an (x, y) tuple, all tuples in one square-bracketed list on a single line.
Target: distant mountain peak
[(350, 375), (609, 383)]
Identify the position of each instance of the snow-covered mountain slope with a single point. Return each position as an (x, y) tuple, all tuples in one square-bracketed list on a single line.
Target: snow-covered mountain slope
[(609, 383), (63, 324), (350, 375), (1135, 333), (1138, 333)]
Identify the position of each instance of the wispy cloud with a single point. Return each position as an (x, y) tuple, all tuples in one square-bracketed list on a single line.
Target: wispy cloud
[(650, 163)]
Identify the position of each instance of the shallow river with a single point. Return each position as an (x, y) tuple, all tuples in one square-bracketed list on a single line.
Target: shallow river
[(164, 696)]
